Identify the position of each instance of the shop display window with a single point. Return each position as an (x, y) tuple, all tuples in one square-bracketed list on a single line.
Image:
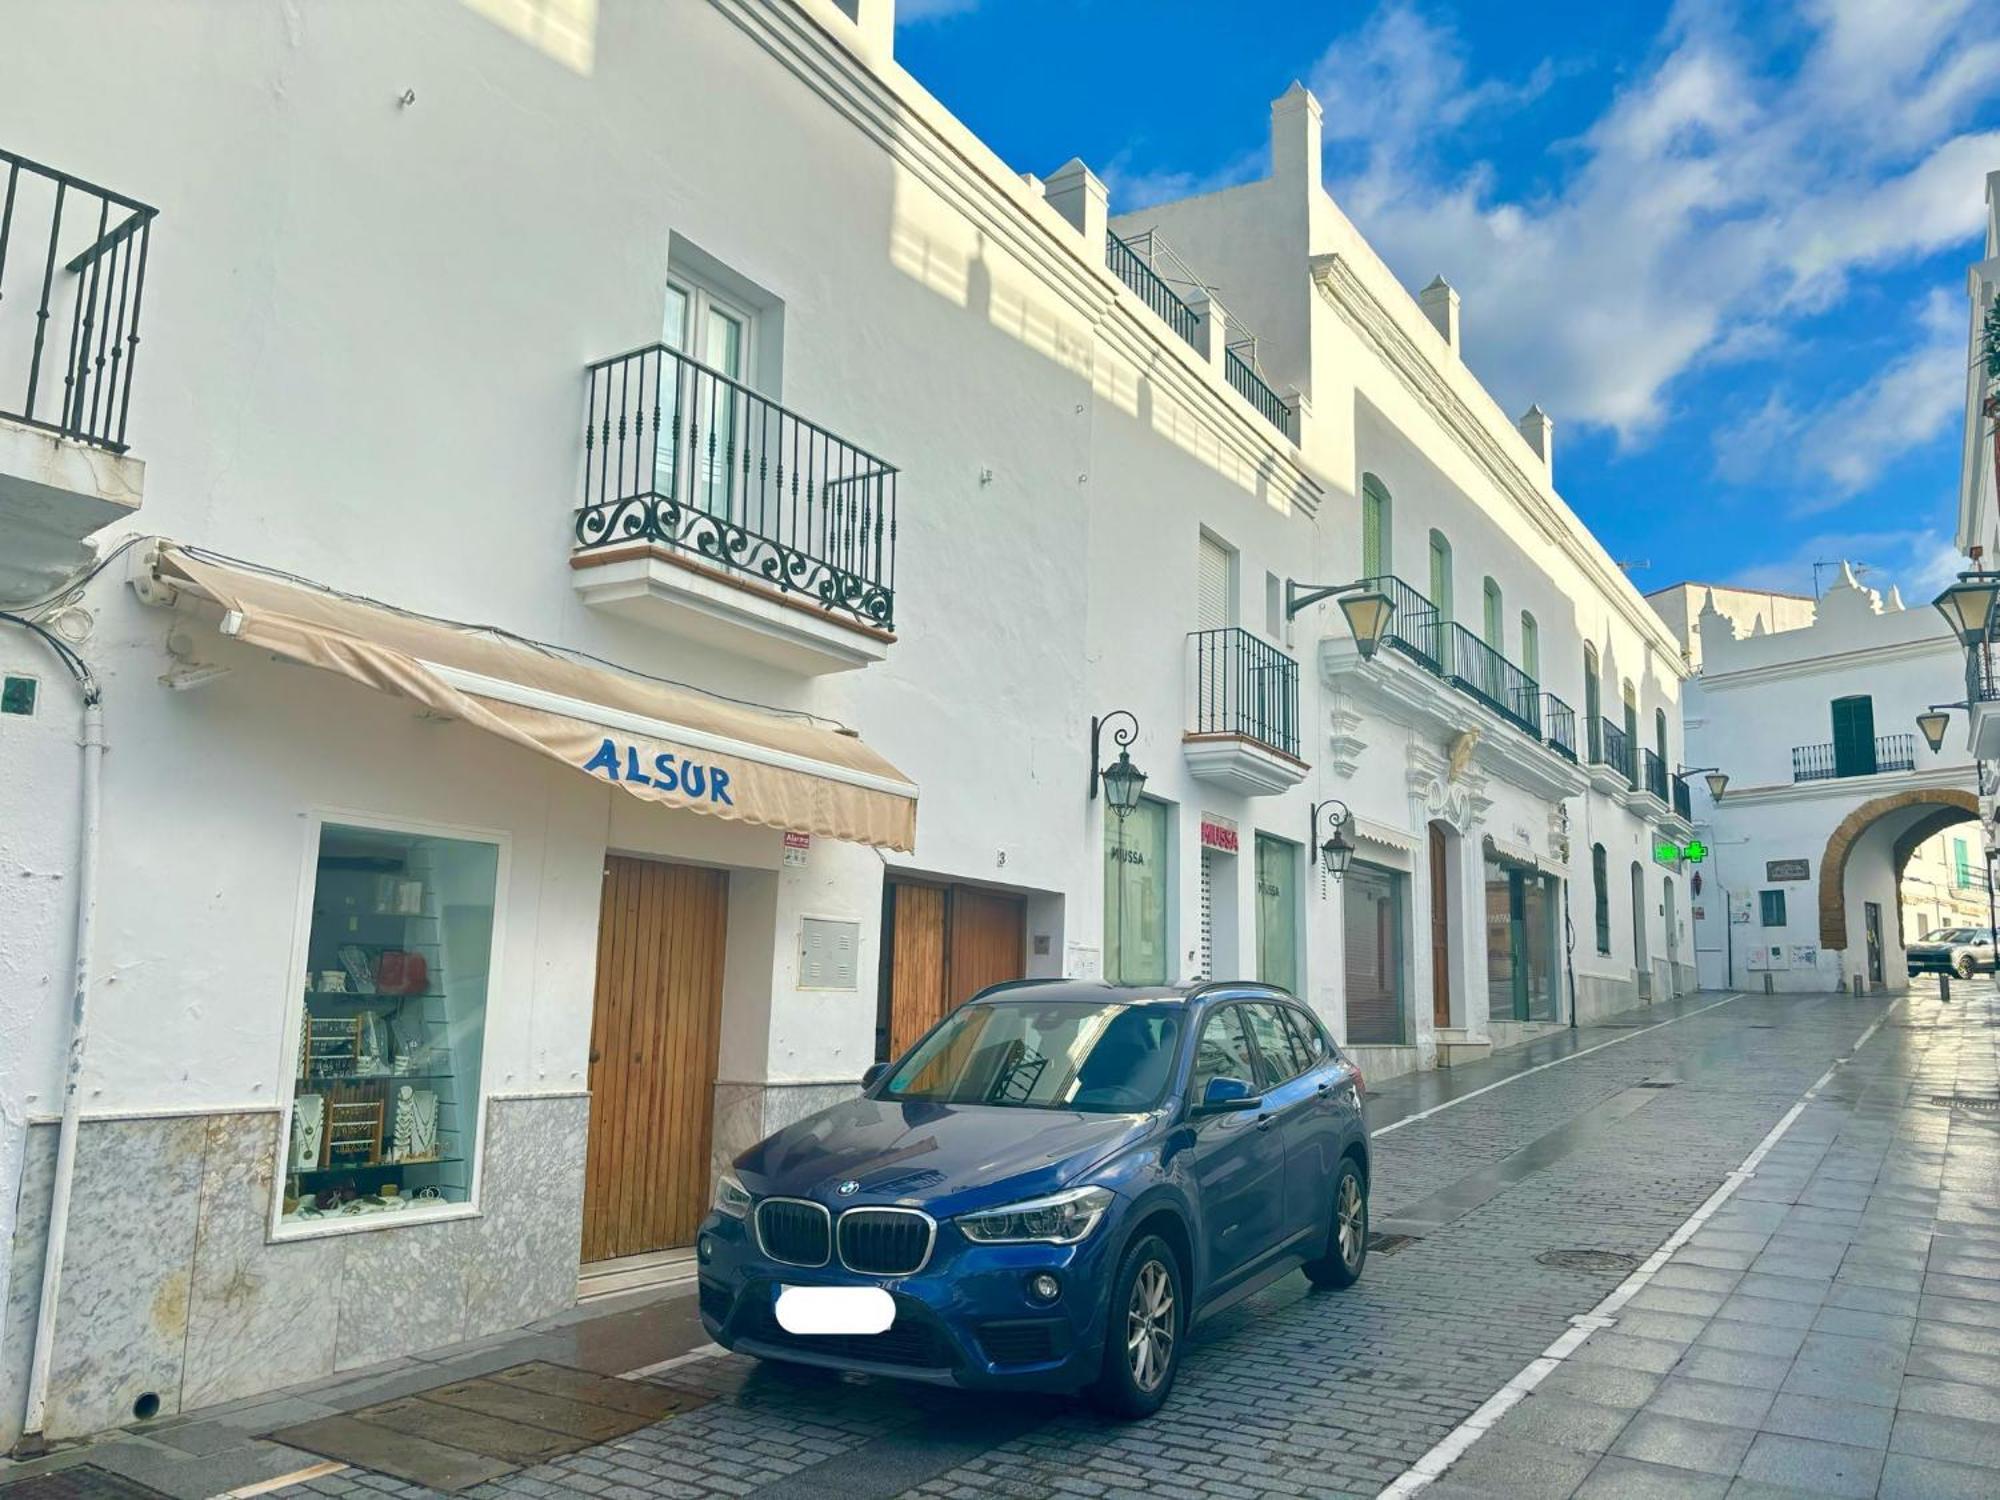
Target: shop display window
[(1135, 895), (384, 1117)]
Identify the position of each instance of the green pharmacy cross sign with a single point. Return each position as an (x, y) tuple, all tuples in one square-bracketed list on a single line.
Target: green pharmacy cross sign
[(1694, 851)]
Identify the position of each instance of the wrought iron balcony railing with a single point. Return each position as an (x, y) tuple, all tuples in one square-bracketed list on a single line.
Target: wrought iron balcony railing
[(1889, 752), (1246, 686), (1413, 623), (1131, 268), (1683, 800), (1656, 776), (1982, 672), (1610, 746), (1251, 387), (682, 456), (75, 254), (1559, 726), (1495, 681)]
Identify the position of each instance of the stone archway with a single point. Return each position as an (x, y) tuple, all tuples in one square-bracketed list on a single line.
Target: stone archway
[(1833, 863)]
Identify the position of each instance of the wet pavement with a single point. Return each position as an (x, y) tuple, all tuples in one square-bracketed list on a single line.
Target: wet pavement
[(1521, 1193)]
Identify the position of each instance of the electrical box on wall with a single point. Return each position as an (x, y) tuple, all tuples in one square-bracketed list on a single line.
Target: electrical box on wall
[(17, 695), (829, 954)]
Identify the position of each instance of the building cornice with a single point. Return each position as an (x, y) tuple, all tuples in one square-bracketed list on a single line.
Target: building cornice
[(1356, 302), (1864, 787), (1839, 661), (808, 38)]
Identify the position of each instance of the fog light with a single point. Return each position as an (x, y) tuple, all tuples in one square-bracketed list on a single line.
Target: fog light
[(704, 1249), (1043, 1287)]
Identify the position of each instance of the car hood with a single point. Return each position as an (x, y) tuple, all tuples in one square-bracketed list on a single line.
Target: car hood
[(945, 1154), (1938, 947)]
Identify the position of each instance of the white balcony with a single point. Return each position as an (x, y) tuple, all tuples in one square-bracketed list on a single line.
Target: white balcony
[(1243, 696)]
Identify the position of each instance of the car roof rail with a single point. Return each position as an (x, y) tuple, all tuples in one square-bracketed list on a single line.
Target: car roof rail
[(1265, 985), (1003, 985)]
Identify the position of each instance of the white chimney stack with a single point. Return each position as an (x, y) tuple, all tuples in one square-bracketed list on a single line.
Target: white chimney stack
[(1440, 305), (1540, 430)]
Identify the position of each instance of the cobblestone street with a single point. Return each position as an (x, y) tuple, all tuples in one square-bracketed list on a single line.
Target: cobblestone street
[(1488, 1181)]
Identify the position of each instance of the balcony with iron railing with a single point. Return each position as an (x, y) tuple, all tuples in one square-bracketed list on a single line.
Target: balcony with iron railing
[(1244, 701), (1413, 621), (1559, 725), (73, 261), (1611, 748), (1654, 782), (1824, 762), (1683, 800), (712, 510), (1474, 666)]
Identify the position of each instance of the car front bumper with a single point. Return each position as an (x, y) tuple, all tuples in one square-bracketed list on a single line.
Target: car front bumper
[(966, 1319)]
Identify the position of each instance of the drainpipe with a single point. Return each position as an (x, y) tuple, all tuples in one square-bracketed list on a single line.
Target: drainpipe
[(36, 1416)]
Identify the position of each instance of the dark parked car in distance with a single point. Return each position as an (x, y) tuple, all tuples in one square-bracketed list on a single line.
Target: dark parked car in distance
[(1048, 1191)]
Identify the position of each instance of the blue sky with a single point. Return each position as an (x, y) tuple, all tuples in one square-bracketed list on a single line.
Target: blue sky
[(1723, 245)]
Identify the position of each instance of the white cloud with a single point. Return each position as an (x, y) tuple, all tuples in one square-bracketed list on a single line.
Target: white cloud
[(1134, 188), (1919, 562), (1845, 444), (1715, 193)]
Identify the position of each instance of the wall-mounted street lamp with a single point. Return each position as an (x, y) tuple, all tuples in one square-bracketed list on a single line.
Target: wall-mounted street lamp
[(1969, 605), (1335, 850), (1933, 722), (1367, 608), (1715, 776), (1122, 780)]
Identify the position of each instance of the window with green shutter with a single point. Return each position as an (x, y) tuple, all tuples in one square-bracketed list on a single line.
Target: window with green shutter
[(1441, 576), (1495, 622), (1961, 862), (1531, 646), (1773, 908), (1376, 514)]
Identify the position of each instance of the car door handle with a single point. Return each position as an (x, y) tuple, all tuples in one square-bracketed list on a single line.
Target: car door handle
[(1324, 1090), (1263, 1122)]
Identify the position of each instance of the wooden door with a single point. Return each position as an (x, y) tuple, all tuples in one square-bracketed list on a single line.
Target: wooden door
[(654, 1032), (945, 944), (1440, 932)]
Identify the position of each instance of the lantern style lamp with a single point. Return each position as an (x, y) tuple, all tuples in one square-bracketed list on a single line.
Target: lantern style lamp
[(1968, 605), (1122, 780), (1933, 722), (1335, 850), (1367, 608), (1717, 782)]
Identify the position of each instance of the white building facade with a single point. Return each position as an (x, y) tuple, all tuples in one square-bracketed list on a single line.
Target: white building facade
[(760, 447), (1831, 793)]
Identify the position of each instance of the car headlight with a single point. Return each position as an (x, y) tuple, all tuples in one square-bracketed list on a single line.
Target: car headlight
[(1059, 1219), (730, 1197)]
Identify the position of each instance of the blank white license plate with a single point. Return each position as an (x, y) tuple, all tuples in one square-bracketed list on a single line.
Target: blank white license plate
[(835, 1309)]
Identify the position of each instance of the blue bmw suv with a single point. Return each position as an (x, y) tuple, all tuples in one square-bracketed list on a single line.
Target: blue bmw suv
[(1048, 1191)]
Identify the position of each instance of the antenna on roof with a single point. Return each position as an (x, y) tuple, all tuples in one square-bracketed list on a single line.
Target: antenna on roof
[(1818, 567), (1632, 564)]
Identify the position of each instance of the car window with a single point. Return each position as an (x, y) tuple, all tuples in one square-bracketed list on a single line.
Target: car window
[(1274, 1044), (1038, 1054), (1224, 1052), (1309, 1043)]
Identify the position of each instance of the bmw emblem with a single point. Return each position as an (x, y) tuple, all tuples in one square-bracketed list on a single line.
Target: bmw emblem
[(848, 1188)]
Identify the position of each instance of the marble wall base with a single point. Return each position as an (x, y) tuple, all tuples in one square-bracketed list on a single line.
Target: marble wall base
[(1599, 995), (747, 1112), (172, 1288)]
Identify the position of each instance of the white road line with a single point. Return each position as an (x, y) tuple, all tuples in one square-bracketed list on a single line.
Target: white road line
[(1452, 1446), (1553, 1063), (706, 1351), (297, 1476)]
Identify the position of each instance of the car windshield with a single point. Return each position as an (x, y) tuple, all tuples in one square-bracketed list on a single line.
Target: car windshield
[(1099, 1059), (1953, 935)]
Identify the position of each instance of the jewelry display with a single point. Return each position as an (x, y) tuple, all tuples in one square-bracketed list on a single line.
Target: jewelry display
[(358, 968), (354, 1133), (308, 1122), (416, 1125)]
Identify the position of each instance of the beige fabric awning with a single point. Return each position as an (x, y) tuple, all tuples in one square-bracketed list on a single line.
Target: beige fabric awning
[(673, 746)]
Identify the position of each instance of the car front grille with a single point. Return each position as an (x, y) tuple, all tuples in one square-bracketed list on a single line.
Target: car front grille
[(885, 1241), (912, 1341), (1017, 1342), (794, 1231)]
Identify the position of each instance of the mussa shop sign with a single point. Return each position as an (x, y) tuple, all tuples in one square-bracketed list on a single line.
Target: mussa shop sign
[(670, 773)]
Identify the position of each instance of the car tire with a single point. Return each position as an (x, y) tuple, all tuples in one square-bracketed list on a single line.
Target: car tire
[(1347, 1242), (1964, 967), (1150, 1286)]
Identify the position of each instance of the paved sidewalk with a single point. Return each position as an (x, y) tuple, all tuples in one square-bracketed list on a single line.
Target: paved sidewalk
[(1833, 1330)]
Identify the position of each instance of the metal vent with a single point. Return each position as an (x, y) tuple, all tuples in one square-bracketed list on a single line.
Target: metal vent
[(1983, 1103), (1388, 1244)]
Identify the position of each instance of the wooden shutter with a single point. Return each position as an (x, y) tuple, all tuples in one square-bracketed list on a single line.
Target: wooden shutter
[(1854, 736), (988, 940), (1374, 528), (1211, 586), (917, 965)]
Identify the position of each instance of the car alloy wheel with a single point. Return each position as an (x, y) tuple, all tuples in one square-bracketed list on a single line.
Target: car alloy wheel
[(1964, 966), (1353, 1218), (1149, 1326)]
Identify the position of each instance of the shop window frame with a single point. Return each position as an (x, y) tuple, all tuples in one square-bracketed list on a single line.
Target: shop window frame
[(277, 1229)]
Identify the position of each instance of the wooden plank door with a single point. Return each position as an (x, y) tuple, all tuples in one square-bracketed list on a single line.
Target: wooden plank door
[(1440, 932), (988, 942), (654, 1034), (916, 964)]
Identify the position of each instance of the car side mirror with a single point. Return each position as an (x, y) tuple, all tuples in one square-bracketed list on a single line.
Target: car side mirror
[(873, 1076), (1226, 1094)]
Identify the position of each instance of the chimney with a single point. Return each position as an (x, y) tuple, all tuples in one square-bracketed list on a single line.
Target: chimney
[(876, 21), (1295, 136), (1540, 430), (1073, 192), (1440, 305)]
